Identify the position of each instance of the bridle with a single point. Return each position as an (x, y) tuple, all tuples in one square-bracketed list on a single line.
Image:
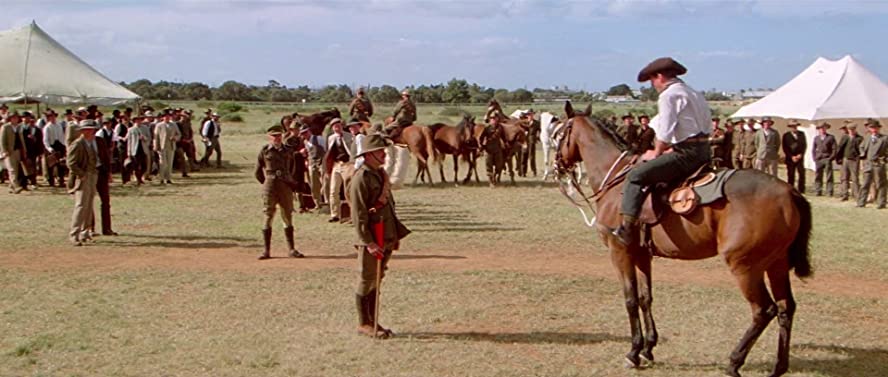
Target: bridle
[(563, 170)]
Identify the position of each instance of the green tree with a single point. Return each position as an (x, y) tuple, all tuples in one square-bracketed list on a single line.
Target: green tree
[(522, 96), (648, 93), (233, 91), (385, 94), (456, 91), (620, 90), (196, 91)]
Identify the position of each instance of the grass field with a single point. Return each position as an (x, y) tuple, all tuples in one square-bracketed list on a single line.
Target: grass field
[(493, 282)]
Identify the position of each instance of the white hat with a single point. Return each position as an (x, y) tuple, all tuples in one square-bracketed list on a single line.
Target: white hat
[(81, 108), (215, 114), (148, 113), (87, 124)]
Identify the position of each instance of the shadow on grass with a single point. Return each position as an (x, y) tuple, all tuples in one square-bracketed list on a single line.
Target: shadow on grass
[(504, 184), (847, 361), (543, 337), (193, 238), (438, 218), (183, 245), (395, 256)]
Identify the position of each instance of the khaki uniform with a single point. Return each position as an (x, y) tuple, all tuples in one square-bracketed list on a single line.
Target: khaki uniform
[(492, 142), (361, 109), (629, 133), (405, 113), (274, 169), (718, 148), (372, 203), (749, 150), (874, 151), (849, 165), (82, 159)]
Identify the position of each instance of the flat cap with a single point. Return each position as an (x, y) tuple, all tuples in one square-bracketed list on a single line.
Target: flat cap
[(275, 130), (665, 64)]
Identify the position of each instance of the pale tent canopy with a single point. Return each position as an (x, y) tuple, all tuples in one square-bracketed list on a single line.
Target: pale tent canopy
[(828, 89), (36, 68)]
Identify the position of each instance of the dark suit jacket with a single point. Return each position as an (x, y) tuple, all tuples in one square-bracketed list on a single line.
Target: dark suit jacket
[(794, 145), (104, 154)]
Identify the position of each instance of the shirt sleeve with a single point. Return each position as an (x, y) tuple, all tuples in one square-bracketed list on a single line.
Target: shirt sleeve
[(205, 128), (668, 108)]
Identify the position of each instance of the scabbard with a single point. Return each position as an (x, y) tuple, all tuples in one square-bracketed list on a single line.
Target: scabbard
[(379, 235)]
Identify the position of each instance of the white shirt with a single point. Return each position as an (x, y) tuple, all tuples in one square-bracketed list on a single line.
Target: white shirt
[(682, 112), (51, 133)]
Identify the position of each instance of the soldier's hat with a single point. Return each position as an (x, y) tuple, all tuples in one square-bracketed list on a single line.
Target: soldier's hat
[(661, 65), (873, 123), (11, 114), (304, 128), (354, 123), (275, 130), (643, 116), (87, 124), (627, 115), (69, 112), (27, 114), (767, 119), (361, 89), (374, 142), (334, 121), (793, 123), (405, 92), (852, 127), (823, 125), (715, 118)]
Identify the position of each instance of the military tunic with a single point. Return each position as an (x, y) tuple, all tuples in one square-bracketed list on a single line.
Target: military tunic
[(492, 142), (365, 193), (361, 109), (874, 151), (405, 113), (274, 169)]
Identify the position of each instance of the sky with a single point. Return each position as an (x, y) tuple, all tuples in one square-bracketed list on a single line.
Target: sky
[(590, 45)]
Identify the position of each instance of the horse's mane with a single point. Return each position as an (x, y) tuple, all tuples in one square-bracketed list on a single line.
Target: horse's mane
[(436, 126), (609, 131)]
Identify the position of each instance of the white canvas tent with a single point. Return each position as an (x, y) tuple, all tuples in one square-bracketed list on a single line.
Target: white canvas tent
[(828, 89), (35, 67)]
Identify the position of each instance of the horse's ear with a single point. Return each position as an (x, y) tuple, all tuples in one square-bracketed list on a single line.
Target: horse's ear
[(568, 109), (588, 110)]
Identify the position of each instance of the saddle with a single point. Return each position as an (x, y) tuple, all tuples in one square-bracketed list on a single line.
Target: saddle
[(704, 186)]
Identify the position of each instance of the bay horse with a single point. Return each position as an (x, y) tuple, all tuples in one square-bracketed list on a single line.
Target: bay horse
[(459, 142), (318, 121), (773, 245), (420, 143), (514, 139)]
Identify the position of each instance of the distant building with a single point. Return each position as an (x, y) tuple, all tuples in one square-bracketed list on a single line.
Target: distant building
[(620, 99), (755, 94)]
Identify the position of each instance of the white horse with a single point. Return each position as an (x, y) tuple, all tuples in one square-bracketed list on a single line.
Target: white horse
[(549, 128)]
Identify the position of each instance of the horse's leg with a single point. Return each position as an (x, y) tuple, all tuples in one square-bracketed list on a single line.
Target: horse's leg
[(419, 167), (752, 285), (441, 170), (456, 168), (778, 276), (625, 265), (645, 300), (509, 164)]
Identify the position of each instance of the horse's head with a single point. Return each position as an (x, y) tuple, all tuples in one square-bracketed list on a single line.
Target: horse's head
[(589, 135), (466, 129), (567, 154)]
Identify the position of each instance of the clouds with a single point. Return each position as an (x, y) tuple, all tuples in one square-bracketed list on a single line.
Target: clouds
[(511, 43)]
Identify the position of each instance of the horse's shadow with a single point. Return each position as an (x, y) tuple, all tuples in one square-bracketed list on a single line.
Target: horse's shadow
[(848, 361), (534, 337)]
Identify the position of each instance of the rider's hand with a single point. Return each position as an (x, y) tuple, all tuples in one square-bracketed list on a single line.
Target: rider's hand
[(649, 155)]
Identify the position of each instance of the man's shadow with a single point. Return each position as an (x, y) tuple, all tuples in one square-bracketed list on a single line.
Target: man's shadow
[(844, 362), (534, 337)]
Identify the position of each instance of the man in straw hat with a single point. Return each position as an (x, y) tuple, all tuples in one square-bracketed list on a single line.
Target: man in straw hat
[(874, 150), (824, 152), (82, 159), (378, 229), (274, 170), (794, 145), (767, 147), (848, 158), (682, 124)]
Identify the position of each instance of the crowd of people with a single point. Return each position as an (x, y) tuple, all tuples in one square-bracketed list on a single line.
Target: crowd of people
[(140, 146)]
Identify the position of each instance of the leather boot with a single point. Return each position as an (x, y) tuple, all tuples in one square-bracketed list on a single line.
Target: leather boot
[(627, 232), (266, 234), (288, 231), (365, 325), (371, 314)]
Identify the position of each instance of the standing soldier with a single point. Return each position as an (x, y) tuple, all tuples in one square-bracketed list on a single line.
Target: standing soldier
[(749, 151), (294, 142), (739, 143), (83, 155), (767, 146), (824, 152), (794, 146), (361, 108), (646, 134), (274, 169), (492, 142), (717, 143), (340, 157), (12, 150), (404, 115), (378, 228), (528, 159), (874, 152), (848, 158), (629, 132)]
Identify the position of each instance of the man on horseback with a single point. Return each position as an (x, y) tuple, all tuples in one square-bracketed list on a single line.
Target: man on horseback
[(360, 108), (404, 116), (681, 126)]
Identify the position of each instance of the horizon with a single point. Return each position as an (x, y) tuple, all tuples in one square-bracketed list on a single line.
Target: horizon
[(510, 44)]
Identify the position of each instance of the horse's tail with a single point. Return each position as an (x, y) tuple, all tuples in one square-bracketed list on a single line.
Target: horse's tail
[(430, 145), (798, 249)]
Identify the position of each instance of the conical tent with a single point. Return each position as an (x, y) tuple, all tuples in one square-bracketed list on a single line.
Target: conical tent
[(840, 89), (35, 67)]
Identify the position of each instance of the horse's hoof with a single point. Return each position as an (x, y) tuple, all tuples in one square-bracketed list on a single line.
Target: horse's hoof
[(647, 359), (732, 372), (629, 363)]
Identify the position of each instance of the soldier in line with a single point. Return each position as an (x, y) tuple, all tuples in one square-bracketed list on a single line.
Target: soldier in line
[(82, 160), (646, 134), (740, 135), (794, 146), (361, 108), (874, 151), (629, 132), (316, 149), (185, 146), (528, 158), (717, 143), (749, 151), (293, 140), (848, 158), (492, 142), (404, 115), (274, 169), (767, 147), (824, 152), (378, 229)]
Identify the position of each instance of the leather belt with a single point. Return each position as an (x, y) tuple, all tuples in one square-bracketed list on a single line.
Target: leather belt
[(696, 139)]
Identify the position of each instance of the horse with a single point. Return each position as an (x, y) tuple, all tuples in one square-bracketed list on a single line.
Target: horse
[(459, 142), (318, 121), (549, 128), (420, 143), (773, 245), (514, 139)]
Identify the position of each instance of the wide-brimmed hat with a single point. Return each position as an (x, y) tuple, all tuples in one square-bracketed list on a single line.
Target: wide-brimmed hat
[(361, 89), (661, 65), (717, 119), (405, 92), (11, 114), (873, 123), (630, 116), (793, 123), (374, 142), (87, 124), (334, 121), (304, 128), (767, 119), (354, 124), (643, 116), (275, 130), (823, 125)]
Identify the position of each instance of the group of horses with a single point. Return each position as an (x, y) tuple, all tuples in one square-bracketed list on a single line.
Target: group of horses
[(431, 144)]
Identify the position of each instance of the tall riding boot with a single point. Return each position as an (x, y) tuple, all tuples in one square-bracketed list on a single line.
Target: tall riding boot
[(371, 314), (266, 234), (288, 231), (627, 232)]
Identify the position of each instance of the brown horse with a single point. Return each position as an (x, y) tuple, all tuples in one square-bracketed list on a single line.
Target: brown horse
[(514, 139), (318, 121), (457, 141), (420, 142), (775, 243)]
